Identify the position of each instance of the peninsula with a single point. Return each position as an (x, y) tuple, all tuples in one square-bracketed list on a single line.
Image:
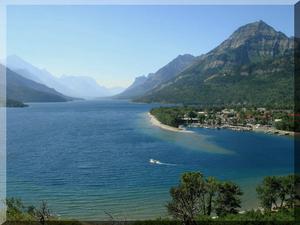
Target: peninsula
[(154, 121)]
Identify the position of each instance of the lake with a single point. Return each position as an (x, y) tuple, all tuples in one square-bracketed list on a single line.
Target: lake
[(86, 158)]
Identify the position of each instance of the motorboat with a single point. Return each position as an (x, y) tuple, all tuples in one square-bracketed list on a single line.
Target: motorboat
[(153, 161)]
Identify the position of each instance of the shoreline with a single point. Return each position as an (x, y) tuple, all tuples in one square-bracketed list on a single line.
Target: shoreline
[(274, 131), (155, 122), (261, 129)]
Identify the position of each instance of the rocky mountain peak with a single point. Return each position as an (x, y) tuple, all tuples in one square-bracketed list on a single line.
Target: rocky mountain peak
[(257, 34)]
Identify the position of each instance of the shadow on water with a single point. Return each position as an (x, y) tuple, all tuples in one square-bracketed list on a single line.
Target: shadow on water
[(193, 141)]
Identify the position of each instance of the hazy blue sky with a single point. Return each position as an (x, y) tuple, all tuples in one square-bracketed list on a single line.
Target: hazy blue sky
[(114, 44)]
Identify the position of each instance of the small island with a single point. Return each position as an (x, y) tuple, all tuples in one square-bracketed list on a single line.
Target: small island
[(273, 121)]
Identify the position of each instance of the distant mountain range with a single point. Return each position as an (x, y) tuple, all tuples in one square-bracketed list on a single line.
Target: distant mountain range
[(86, 87), (254, 66), (75, 86), (28, 83), (143, 84), (19, 88)]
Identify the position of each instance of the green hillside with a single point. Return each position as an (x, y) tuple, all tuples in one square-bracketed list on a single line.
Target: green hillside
[(254, 66), (20, 89)]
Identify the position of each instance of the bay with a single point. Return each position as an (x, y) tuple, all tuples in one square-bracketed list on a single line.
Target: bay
[(86, 158)]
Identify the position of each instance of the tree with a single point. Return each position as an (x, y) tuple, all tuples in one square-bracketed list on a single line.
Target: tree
[(278, 192), (168, 115), (211, 188), (187, 198), (219, 121), (17, 211), (291, 185), (201, 118), (267, 192), (191, 114), (287, 123), (196, 197), (228, 199), (43, 213)]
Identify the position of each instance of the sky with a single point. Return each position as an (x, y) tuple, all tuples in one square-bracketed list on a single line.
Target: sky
[(114, 44)]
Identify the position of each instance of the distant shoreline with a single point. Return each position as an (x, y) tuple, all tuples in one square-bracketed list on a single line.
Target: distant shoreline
[(261, 129), (154, 121), (274, 131)]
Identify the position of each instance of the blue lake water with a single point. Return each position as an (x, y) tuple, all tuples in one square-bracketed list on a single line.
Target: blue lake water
[(90, 157)]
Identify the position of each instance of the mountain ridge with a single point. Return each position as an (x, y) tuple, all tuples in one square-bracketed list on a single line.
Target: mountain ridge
[(143, 84), (238, 66), (76, 86), (19, 88)]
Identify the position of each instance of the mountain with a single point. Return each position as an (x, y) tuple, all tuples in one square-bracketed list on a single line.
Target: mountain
[(135, 89), (253, 66), (82, 86), (86, 87), (22, 89), (115, 90), (76, 86), (143, 84), (31, 72)]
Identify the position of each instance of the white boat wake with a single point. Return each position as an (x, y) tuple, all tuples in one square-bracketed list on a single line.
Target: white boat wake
[(154, 161)]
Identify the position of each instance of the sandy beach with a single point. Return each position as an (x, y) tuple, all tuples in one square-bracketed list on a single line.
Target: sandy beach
[(157, 123)]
